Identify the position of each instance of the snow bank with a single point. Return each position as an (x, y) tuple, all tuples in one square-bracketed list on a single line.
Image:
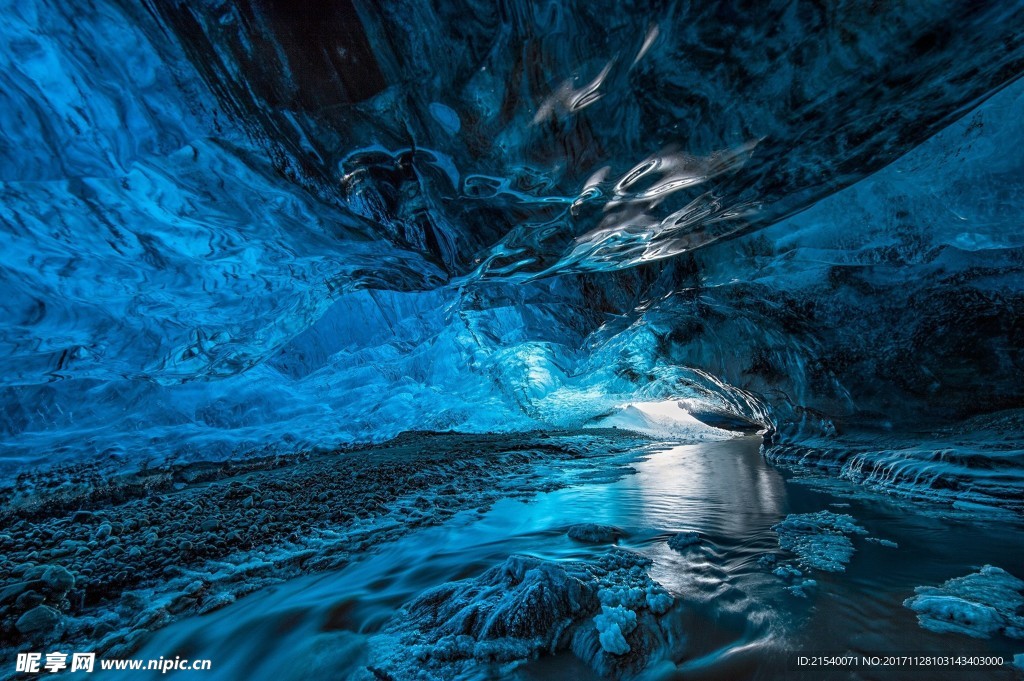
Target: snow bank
[(666, 420)]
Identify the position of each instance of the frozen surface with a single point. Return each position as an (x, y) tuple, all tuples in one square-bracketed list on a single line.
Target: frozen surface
[(98, 566), (237, 227)]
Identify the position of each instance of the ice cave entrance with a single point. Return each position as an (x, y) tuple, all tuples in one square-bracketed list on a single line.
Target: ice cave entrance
[(665, 419)]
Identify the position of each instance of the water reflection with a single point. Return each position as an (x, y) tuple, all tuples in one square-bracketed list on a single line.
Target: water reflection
[(738, 620)]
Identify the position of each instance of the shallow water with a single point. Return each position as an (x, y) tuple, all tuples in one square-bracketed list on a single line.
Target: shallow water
[(739, 619)]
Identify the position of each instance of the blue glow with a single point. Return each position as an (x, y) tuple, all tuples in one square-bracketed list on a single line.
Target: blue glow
[(239, 235)]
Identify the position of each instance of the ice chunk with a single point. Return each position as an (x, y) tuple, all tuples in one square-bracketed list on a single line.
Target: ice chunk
[(658, 600), (956, 615), (613, 625), (980, 604), (800, 590), (682, 540), (819, 539), (787, 572), (888, 543)]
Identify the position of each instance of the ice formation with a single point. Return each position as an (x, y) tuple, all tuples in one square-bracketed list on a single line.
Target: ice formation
[(608, 612), (237, 236), (682, 540), (613, 625), (982, 604), (209, 250), (820, 540)]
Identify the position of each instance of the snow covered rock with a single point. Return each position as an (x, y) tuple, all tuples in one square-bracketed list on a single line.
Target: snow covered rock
[(592, 533), (607, 612), (683, 540)]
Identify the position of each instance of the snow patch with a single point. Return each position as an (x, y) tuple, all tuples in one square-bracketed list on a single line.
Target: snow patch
[(666, 420)]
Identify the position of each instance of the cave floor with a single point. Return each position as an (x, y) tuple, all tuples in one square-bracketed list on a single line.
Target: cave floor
[(153, 546), (326, 549)]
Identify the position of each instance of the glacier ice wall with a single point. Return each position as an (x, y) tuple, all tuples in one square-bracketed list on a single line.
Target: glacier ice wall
[(237, 224)]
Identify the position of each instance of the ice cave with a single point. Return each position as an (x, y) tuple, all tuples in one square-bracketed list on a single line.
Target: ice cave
[(527, 339)]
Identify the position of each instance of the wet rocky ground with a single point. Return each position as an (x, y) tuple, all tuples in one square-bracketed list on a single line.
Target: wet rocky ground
[(97, 563)]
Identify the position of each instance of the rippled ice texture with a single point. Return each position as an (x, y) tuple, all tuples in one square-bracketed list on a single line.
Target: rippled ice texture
[(230, 225)]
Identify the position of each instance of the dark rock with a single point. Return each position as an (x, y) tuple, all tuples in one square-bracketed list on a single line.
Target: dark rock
[(28, 600), (40, 621), (182, 604), (592, 533), (13, 591), (101, 629), (35, 572), (76, 600), (58, 579)]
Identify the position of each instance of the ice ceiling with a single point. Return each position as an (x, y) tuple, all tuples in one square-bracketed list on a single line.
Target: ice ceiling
[(234, 224)]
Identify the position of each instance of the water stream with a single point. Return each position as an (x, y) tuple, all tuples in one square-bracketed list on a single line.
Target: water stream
[(739, 619)]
